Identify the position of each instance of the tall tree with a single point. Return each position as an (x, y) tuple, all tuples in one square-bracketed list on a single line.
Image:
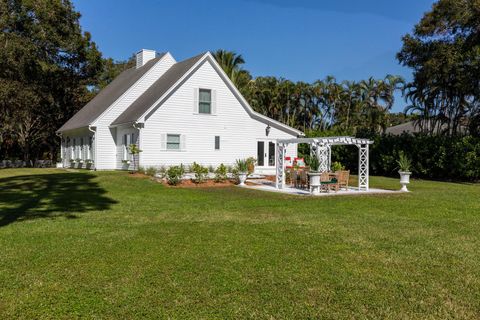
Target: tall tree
[(444, 53), (231, 63), (47, 65)]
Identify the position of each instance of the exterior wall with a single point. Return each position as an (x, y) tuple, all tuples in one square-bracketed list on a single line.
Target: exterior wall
[(121, 131), (238, 132), (106, 136), (79, 150)]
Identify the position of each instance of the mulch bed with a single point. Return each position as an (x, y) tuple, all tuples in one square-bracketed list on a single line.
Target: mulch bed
[(206, 184), (191, 184)]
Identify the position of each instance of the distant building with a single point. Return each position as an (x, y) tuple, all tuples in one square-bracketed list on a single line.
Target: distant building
[(412, 127)]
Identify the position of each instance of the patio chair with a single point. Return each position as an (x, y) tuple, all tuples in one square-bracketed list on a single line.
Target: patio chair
[(327, 183), (304, 181), (343, 177)]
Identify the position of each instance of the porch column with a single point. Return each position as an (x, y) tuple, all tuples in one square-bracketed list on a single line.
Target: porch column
[(280, 165), (363, 183)]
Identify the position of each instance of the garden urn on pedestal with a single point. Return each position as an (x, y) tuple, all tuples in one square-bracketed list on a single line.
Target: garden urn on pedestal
[(242, 177), (314, 182), (314, 174), (241, 167), (404, 180), (404, 164)]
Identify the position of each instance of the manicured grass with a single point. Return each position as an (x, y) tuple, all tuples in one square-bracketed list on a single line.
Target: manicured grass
[(106, 245)]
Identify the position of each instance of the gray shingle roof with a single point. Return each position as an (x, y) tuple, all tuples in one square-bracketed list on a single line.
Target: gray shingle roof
[(156, 90), (108, 95)]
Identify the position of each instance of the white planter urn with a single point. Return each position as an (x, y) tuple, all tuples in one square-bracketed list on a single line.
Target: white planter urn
[(314, 182), (59, 165), (404, 180), (242, 177)]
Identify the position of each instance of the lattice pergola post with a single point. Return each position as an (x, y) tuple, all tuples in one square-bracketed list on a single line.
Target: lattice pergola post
[(280, 155), (363, 182), (323, 155), (329, 166)]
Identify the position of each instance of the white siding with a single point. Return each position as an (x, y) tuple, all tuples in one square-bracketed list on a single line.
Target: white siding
[(106, 137), (238, 132)]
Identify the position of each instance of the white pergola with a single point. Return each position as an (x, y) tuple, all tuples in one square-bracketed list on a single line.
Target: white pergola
[(322, 147)]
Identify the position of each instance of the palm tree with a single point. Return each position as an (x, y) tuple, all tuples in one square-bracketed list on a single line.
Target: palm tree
[(231, 63)]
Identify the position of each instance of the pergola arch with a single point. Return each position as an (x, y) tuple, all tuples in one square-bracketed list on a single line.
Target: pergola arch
[(323, 150)]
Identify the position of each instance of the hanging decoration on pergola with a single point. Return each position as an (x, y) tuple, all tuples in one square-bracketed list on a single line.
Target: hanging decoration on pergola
[(322, 146)]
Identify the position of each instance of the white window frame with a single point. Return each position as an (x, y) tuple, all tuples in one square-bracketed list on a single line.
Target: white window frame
[(200, 101), (179, 141)]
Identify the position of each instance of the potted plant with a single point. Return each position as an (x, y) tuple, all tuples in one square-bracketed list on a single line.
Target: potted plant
[(314, 173), (125, 164), (59, 163), (72, 163), (241, 167), (88, 163), (404, 165), (79, 162)]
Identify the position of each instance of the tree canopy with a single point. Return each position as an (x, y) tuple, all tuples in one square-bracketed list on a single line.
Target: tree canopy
[(444, 53), (46, 66)]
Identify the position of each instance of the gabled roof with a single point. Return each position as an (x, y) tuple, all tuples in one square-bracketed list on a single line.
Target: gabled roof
[(172, 79), (107, 96), (156, 90)]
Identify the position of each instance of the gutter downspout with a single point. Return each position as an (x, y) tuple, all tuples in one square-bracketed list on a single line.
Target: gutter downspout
[(94, 146), (137, 126)]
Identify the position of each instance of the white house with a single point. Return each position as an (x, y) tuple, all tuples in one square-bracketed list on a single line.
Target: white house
[(176, 112)]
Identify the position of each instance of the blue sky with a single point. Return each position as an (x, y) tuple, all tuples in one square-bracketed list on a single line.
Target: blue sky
[(297, 39)]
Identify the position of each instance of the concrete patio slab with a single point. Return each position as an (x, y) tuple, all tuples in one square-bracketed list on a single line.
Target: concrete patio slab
[(266, 185)]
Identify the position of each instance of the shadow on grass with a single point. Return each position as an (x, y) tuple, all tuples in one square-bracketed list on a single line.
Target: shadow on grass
[(49, 195)]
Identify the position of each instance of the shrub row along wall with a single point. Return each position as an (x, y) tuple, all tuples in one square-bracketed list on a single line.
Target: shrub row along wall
[(23, 164), (433, 157)]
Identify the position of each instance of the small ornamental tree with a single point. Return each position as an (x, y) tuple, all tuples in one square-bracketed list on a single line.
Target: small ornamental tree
[(134, 150)]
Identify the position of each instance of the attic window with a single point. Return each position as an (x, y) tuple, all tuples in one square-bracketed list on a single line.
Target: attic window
[(205, 101)]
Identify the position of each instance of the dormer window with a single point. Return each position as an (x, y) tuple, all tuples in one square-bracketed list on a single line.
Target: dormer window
[(205, 101)]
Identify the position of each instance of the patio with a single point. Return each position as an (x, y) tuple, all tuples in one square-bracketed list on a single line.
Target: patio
[(322, 179), (267, 185)]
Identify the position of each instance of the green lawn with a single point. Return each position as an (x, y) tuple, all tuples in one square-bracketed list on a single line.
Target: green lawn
[(107, 245)]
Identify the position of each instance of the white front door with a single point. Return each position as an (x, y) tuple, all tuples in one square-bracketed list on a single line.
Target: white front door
[(266, 153)]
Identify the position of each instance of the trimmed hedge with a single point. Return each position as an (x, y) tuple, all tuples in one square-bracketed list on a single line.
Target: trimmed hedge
[(433, 157)]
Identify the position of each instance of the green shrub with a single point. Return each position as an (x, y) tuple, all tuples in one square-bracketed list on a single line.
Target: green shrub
[(432, 157), (251, 161), (221, 173), (211, 169), (200, 171), (150, 171), (241, 165), (337, 166), (174, 174)]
